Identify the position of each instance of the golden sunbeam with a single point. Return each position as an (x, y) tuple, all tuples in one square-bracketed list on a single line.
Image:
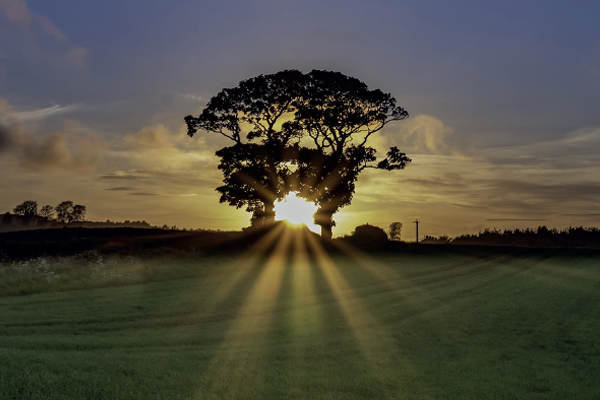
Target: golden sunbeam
[(234, 273), (296, 211), (240, 267), (377, 345), (403, 287), (305, 318), (241, 355)]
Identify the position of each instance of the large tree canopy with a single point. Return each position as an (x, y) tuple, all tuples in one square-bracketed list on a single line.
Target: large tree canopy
[(298, 132)]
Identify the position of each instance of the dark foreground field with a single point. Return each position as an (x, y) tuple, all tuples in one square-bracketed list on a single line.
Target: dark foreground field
[(284, 318)]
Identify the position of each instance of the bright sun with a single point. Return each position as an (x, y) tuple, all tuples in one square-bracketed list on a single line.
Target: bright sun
[(296, 211)]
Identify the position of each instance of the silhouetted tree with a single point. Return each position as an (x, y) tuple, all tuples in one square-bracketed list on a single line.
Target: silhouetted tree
[(66, 212), (339, 113), (47, 212), (27, 209), (334, 113), (63, 211), (395, 231), (78, 213), (258, 107)]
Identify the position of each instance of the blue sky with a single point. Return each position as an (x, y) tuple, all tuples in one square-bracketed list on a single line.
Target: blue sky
[(503, 97)]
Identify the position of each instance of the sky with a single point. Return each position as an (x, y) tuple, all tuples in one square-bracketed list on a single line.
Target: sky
[(503, 97)]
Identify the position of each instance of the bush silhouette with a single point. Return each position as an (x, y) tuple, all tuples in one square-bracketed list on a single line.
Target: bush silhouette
[(369, 233)]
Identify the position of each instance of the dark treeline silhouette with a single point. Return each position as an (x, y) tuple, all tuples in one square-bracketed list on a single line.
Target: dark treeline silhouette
[(435, 240), (28, 216), (152, 242), (25, 244), (16, 222), (64, 213), (539, 237)]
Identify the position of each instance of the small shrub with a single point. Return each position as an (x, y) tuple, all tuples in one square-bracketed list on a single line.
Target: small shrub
[(369, 233)]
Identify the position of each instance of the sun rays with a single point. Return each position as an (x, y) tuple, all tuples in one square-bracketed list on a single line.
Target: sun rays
[(284, 298)]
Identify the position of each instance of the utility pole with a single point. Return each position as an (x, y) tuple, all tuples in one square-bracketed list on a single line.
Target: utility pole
[(417, 223)]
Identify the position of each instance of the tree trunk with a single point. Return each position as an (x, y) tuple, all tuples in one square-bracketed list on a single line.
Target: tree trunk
[(269, 216), (325, 220), (326, 231)]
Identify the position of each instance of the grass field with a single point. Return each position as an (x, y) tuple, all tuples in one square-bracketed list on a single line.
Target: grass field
[(296, 324)]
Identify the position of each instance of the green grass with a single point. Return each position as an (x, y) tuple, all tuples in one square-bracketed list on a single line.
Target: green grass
[(412, 325)]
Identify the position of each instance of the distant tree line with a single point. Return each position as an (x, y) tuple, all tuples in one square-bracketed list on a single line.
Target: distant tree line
[(137, 224), (66, 212), (539, 237)]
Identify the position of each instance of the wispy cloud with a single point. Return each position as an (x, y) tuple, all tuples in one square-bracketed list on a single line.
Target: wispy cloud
[(516, 219), (178, 178), (576, 150), (143, 194), (192, 97), (31, 25), (122, 176), (161, 194), (42, 113), (421, 134), (148, 138), (124, 188), (60, 150)]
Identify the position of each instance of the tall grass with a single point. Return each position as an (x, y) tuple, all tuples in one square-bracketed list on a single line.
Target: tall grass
[(92, 269)]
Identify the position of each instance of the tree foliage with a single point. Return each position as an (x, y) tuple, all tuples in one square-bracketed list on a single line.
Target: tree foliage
[(47, 212), (395, 231), (338, 110), (298, 132), (258, 104), (27, 209), (67, 212)]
